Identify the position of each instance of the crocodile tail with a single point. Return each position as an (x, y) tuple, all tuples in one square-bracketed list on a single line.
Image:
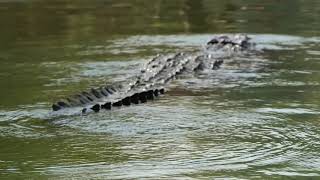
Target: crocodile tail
[(135, 98)]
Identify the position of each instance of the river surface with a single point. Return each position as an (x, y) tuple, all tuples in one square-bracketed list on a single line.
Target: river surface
[(258, 117)]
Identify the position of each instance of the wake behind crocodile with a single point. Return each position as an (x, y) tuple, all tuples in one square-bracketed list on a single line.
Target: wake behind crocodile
[(153, 79)]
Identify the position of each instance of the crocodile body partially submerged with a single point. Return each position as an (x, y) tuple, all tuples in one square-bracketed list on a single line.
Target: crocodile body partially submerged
[(156, 74)]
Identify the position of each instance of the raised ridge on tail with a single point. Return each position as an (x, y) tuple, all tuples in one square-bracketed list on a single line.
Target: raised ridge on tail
[(155, 75)]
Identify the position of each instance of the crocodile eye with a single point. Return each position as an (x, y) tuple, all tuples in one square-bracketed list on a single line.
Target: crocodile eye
[(154, 66), (55, 107), (213, 41)]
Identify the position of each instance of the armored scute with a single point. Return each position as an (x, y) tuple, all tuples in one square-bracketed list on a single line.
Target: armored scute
[(156, 74)]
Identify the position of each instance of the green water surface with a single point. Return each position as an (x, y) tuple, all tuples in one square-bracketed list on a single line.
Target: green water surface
[(255, 118)]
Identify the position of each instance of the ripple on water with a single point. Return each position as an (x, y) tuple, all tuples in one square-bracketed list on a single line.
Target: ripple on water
[(198, 131), (287, 111), (169, 144)]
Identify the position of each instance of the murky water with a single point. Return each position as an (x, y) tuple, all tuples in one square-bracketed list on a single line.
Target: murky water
[(256, 117)]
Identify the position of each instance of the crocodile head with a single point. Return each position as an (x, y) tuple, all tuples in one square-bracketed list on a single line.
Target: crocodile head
[(227, 42)]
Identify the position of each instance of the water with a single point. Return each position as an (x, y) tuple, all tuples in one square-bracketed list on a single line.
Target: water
[(257, 117)]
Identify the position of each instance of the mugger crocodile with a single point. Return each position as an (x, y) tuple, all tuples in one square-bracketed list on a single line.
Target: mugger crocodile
[(152, 79)]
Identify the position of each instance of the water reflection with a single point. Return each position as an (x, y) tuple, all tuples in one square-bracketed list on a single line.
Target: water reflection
[(257, 117), (82, 20), (239, 118)]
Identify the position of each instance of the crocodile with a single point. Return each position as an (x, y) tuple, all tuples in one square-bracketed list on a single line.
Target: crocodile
[(156, 74)]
